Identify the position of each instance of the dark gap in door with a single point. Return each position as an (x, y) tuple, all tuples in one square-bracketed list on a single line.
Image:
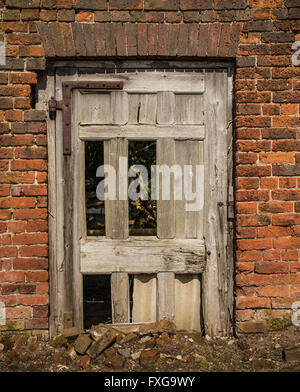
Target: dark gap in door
[(96, 300), (142, 209), (95, 208)]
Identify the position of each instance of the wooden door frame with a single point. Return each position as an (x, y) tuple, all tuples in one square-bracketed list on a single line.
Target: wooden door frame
[(218, 279)]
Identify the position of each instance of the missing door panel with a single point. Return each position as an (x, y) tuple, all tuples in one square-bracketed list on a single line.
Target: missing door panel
[(142, 209), (95, 208), (96, 300)]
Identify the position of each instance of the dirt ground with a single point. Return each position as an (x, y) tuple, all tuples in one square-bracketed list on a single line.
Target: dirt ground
[(181, 352)]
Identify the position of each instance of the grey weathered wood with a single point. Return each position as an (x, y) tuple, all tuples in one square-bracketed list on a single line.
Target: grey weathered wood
[(147, 109), (144, 298), (77, 194), (216, 303), (165, 155), (187, 223), (96, 108), (189, 109), (137, 82), (55, 299), (119, 107), (120, 297), (188, 291), (165, 108), (141, 132), (116, 211), (166, 295), (141, 255)]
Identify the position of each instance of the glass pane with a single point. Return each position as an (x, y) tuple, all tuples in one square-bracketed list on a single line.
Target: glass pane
[(95, 209), (142, 210)]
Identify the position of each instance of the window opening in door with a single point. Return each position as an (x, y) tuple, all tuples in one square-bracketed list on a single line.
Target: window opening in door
[(142, 209), (95, 208), (96, 300)]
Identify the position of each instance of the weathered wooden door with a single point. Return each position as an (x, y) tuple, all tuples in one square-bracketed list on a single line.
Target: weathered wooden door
[(184, 271)]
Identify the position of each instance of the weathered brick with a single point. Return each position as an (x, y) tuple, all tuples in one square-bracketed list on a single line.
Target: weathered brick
[(90, 4), (126, 4), (22, 3), (167, 5)]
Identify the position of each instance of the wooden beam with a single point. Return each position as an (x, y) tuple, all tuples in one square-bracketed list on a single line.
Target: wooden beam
[(166, 295), (141, 256), (141, 132), (120, 297)]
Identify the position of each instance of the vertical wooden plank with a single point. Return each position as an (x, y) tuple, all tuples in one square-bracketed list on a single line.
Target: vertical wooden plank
[(165, 107), (116, 211), (119, 107), (55, 295), (187, 223), (165, 152), (215, 285), (189, 109), (77, 170), (147, 110), (96, 108), (166, 295), (133, 108), (144, 298), (187, 291), (120, 297)]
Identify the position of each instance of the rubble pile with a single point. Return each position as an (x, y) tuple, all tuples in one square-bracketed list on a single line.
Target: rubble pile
[(115, 344)]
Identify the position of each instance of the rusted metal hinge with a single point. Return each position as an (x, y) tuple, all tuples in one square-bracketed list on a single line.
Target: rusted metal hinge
[(65, 104)]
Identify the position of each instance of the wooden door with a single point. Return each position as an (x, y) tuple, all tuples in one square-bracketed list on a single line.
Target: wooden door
[(184, 270)]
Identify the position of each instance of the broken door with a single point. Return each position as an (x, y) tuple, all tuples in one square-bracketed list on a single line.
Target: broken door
[(186, 115)]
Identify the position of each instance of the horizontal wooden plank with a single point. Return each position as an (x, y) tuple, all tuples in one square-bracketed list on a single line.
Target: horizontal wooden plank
[(141, 255), (191, 82), (141, 132)]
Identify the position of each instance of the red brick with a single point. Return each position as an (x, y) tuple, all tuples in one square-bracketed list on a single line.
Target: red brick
[(270, 267), (14, 115), (12, 276), (30, 264), (23, 77), (256, 243), (289, 109), (16, 227), (29, 165), (36, 213), (30, 238), (253, 220), (28, 190), (247, 183), (287, 182), (33, 299), (289, 255), (273, 232), (31, 51), (268, 183), (253, 302), (33, 251), (286, 219), (36, 276), (36, 226), (85, 16), (8, 251), (19, 312), (287, 243), (276, 207), (18, 202), (273, 291)]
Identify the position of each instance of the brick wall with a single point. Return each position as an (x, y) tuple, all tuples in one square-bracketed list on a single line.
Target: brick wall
[(256, 34)]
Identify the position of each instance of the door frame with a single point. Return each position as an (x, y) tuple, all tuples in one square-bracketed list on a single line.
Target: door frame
[(217, 282)]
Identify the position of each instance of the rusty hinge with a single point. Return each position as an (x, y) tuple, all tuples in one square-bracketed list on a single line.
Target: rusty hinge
[(65, 104)]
